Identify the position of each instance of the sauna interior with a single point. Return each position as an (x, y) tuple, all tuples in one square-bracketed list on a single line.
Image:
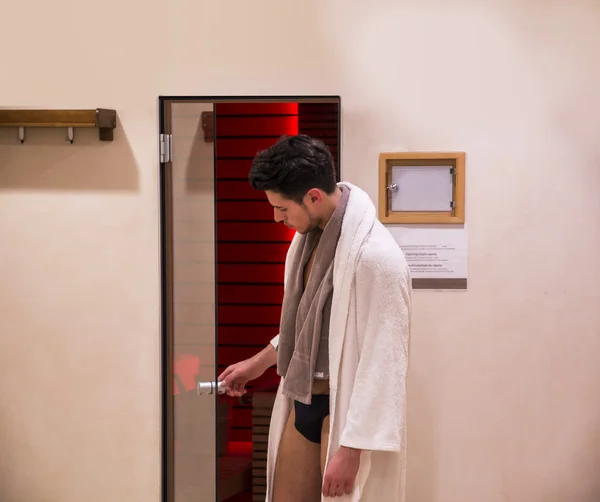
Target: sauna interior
[(223, 262)]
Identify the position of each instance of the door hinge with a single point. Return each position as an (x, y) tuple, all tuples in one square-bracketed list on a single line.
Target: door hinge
[(166, 147)]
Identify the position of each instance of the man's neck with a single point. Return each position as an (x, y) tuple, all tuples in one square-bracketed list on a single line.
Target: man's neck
[(332, 202)]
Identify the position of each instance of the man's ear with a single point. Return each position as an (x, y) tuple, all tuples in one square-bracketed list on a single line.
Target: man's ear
[(314, 195)]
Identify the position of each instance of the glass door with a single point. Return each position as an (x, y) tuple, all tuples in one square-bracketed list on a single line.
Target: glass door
[(189, 309)]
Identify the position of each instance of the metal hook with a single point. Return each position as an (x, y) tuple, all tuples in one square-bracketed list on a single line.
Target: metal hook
[(393, 187)]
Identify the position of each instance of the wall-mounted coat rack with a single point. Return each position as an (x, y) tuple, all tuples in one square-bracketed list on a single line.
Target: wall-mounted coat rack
[(102, 119)]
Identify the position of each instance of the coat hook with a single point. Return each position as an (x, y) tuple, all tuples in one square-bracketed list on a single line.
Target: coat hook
[(70, 135), (22, 134)]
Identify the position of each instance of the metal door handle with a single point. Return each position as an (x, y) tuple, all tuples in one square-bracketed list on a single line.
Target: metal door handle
[(204, 388)]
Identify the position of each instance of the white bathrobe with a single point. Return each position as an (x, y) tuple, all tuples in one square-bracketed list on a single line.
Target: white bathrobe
[(368, 356)]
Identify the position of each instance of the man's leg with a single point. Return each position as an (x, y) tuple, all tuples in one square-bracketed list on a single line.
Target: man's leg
[(324, 443), (297, 474)]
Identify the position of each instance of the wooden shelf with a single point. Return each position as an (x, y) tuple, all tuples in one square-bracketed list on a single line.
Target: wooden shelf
[(102, 119)]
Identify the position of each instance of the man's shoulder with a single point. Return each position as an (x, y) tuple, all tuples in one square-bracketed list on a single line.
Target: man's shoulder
[(381, 253)]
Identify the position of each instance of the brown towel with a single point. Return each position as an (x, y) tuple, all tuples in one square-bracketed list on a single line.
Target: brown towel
[(302, 320)]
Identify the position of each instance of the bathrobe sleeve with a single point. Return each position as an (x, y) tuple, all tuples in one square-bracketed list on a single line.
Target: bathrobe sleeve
[(274, 341), (377, 410)]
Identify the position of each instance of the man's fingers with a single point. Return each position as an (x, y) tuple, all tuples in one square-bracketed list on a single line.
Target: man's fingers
[(228, 371), (230, 379), (233, 388), (332, 488), (326, 485), (349, 487), (230, 391)]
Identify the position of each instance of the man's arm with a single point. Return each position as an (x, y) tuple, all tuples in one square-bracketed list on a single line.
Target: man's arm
[(376, 414), (267, 357), (377, 411), (236, 376)]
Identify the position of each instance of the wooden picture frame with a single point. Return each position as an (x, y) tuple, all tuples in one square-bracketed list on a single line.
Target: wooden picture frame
[(428, 191)]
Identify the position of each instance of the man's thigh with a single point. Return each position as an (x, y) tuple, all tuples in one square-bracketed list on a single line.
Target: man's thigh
[(298, 468)]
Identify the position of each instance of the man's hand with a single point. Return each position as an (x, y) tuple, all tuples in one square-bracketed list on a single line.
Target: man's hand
[(236, 376), (341, 472)]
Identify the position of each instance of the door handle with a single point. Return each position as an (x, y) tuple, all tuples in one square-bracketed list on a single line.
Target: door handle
[(207, 388)]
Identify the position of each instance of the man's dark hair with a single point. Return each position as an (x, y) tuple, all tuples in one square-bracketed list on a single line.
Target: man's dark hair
[(292, 166)]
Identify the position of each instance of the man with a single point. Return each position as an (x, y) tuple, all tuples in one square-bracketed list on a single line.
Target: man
[(338, 422)]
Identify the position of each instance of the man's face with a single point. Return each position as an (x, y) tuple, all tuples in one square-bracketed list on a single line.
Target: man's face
[(300, 217)]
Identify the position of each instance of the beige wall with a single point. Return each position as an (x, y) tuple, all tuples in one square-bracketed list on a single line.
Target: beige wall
[(505, 378)]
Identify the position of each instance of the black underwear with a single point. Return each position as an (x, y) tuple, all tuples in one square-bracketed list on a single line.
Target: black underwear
[(309, 417)]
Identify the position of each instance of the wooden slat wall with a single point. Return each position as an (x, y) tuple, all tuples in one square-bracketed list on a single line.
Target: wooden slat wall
[(262, 407), (321, 120), (251, 247)]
